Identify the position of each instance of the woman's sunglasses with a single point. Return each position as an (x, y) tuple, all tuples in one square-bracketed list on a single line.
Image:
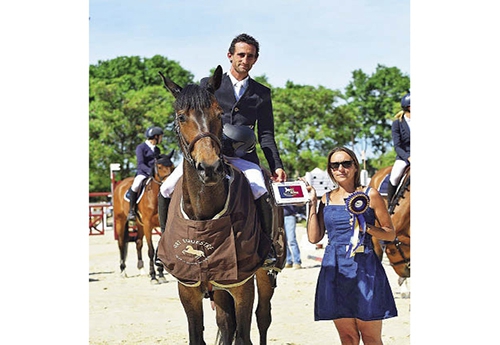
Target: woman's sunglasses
[(336, 165)]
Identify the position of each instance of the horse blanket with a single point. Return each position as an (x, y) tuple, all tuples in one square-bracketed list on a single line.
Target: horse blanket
[(225, 250)]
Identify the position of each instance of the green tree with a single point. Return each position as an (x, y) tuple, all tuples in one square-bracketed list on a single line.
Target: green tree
[(307, 126), (374, 100), (126, 96)]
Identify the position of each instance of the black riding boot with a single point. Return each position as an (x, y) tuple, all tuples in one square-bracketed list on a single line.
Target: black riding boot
[(162, 211), (391, 190), (133, 200), (162, 219), (265, 213)]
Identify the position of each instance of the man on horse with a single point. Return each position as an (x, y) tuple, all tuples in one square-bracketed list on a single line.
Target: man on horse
[(146, 154), (246, 104)]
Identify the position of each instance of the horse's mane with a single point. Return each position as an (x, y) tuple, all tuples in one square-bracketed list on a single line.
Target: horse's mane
[(193, 96)]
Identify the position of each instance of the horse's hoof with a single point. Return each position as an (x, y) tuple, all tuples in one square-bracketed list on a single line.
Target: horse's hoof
[(155, 282), (162, 280), (123, 274)]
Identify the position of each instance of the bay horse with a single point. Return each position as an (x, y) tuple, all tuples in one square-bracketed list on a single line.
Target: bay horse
[(397, 251), (212, 242), (147, 216)]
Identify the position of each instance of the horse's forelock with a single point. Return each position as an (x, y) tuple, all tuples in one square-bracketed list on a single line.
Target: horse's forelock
[(193, 97)]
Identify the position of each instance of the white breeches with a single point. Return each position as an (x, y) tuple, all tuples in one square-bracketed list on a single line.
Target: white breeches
[(252, 172), (397, 171), (137, 182)]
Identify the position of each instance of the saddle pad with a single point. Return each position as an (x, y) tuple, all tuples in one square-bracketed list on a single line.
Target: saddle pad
[(384, 185)]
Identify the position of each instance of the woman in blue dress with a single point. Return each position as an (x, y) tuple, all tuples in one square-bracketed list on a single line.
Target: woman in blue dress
[(352, 287)]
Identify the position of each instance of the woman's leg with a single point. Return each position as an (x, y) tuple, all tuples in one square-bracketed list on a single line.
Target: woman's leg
[(371, 332), (348, 331)]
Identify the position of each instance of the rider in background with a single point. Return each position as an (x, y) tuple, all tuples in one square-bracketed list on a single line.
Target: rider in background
[(146, 154), (401, 140)]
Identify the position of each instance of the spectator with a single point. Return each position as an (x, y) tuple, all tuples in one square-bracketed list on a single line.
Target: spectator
[(352, 287), (292, 246)]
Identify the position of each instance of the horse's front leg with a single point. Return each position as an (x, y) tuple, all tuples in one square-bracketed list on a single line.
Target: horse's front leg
[(138, 247), (148, 233), (192, 301), (243, 305), (121, 227), (225, 317), (265, 291)]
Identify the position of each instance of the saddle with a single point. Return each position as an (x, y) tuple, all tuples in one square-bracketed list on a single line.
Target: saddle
[(140, 193), (383, 186)]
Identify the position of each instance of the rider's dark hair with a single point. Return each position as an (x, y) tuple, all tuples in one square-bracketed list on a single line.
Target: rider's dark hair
[(245, 38)]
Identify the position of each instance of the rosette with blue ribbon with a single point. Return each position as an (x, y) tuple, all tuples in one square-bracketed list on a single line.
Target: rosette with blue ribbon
[(357, 203)]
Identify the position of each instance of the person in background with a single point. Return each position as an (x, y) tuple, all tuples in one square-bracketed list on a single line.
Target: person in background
[(352, 287), (401, 141), (246, 103), (292, 246), (146, 154)]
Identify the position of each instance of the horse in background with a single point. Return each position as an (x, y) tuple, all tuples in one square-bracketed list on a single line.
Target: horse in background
[(220, 248), (397, 251), (147, 216)]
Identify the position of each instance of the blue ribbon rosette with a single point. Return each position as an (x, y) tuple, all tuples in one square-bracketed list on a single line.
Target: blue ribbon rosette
[(357, 203)]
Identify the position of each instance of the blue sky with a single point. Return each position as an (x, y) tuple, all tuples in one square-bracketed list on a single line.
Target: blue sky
[(311, 43)]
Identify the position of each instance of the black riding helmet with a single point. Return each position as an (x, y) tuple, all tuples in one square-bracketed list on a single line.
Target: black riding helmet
[(405, 102), (237, 140), (152, 132)]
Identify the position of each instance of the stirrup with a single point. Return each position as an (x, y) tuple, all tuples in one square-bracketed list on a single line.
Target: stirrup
[(271, 260), (269, 263), (131, 216)]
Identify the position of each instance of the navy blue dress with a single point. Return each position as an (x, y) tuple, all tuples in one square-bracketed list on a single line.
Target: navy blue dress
[(355, 287)]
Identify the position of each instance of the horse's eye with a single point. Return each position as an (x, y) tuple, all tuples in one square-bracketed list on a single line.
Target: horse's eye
[(181, 117)]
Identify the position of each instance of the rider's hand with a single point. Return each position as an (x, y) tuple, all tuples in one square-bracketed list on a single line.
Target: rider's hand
[(279, 175)]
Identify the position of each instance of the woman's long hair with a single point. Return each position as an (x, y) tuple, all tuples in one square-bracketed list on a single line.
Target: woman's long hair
[(357, 175)]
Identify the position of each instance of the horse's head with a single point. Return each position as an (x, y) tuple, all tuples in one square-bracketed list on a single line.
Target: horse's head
[(198, 123), (164, 166)]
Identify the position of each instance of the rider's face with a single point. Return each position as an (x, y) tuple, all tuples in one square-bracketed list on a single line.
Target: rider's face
[(243, 59)]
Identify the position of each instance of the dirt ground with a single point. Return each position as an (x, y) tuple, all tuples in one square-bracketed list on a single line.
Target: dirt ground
[(133, 311)]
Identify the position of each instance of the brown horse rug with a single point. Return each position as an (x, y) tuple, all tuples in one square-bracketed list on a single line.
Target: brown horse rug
[(225, 250)]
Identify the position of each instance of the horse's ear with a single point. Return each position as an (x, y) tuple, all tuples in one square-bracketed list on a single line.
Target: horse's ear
[(171, 154), (215, 80), (171, 86)]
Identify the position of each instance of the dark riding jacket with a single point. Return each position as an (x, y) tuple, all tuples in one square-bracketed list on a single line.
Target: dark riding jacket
[(146, 159), (401, 139), (253, 108)]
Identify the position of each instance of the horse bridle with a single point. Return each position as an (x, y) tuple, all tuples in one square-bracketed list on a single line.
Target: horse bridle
[(161, 178), (398, 245), (188, 147)]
